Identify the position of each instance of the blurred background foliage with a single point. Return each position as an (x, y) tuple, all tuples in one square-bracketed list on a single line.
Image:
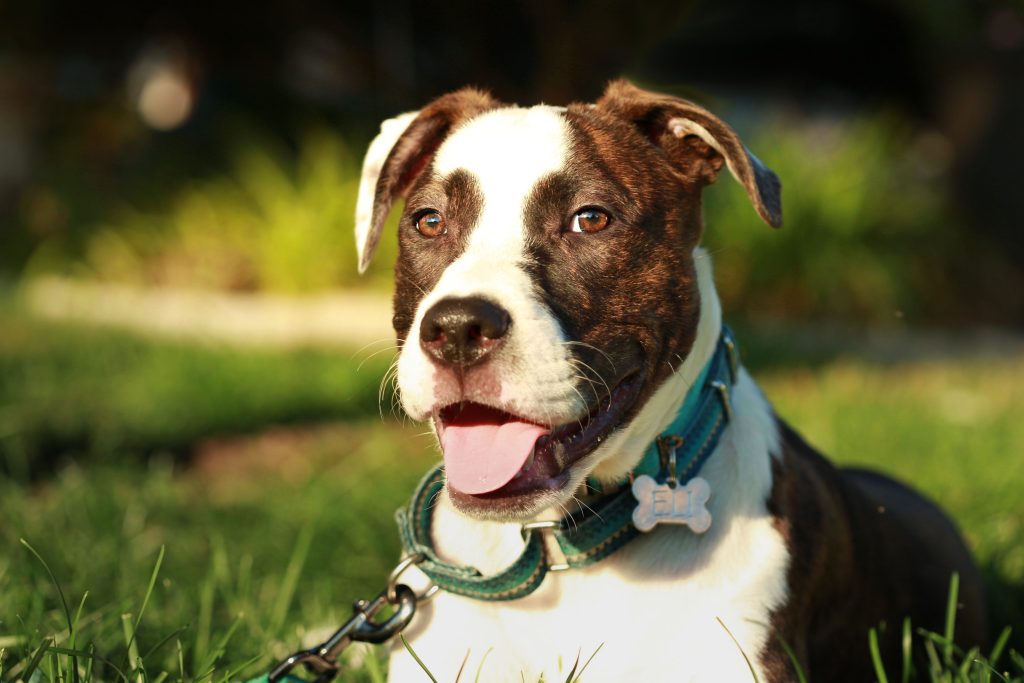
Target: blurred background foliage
[(200, 147)]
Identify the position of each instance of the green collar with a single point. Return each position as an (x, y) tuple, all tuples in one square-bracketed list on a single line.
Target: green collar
[(590, 537)]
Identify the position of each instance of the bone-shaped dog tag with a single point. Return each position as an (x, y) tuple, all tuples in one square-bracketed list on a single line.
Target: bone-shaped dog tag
[(664, 504)]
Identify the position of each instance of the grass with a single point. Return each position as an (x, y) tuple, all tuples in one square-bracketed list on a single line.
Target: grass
[(244, 552), (93, 394), (140, 566)]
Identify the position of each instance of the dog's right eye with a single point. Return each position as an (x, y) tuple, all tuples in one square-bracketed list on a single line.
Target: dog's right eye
[(431, 224), (589, 220)]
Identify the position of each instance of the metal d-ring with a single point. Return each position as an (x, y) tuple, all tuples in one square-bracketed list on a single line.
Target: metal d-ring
[(667, 447), (392, 586), (560, 564)]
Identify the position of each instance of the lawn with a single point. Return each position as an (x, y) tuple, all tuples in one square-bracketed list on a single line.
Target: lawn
[(260, 486)]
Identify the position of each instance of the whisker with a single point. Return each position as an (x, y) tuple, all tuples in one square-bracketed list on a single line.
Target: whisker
[(382, 340), (587, 507), (580, 365), (593, 348), (390, 374), (393, 347)]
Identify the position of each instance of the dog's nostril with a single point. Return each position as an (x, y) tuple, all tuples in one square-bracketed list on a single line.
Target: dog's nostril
[(462, 331)]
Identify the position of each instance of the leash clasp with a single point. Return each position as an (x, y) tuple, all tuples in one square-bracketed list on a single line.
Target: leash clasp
[(322, 660)]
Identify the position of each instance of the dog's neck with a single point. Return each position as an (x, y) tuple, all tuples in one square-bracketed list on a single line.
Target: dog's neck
[(625, 448), (490, 546)]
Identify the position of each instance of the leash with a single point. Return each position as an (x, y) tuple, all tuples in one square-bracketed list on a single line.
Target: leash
[(655, 496)]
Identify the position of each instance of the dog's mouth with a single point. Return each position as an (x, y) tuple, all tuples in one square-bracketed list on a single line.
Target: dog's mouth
[(503, 465)]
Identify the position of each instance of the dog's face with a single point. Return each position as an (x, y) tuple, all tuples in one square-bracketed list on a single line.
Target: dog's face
[(545, 285)]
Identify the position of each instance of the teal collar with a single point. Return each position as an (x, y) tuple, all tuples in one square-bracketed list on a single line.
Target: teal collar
[(677, 454)]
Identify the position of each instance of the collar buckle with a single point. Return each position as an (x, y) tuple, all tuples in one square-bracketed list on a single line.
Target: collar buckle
[(723, 395), (732, 354)]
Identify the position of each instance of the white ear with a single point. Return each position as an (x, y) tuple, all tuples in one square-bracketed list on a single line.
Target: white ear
[(378, 152)]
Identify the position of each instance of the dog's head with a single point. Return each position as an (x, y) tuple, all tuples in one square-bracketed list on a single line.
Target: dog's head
[(545, 284)]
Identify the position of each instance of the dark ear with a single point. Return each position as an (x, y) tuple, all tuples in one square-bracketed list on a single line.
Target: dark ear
[(697, 142), (399, 153)]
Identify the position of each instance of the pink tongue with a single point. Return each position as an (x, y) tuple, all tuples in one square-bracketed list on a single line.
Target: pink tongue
[(481, 454)]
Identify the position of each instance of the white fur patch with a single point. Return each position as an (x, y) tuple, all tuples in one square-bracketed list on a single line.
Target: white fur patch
[(508, 151), (657, 607)]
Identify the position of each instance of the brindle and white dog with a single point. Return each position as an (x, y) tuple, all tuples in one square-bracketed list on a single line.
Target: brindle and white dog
[(553, 309)]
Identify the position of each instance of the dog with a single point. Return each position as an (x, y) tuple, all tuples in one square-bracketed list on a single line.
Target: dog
[(556, 315)]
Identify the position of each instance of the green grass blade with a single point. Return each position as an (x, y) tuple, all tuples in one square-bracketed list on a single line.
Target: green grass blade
[(990, 671), (90, 661), (290, 582), (37, 658), (91, 656), (234, 671), (462, 667), (587, 663), (209, 664), (201, 643), (572, 671), (907, 644), (968, 661), (951, 603), (163, 641), (134, 661), (416, 657), (373, 668), (753, 672), (479, 669), (149, 588), (792, 658), (56, 584), (997, 649), (935, 665), (876, 656)]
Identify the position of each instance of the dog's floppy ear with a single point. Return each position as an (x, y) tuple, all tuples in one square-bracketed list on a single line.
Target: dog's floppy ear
[(697, 142), (399, 153)]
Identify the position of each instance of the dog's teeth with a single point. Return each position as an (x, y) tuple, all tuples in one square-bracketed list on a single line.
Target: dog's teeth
[(559, 456)]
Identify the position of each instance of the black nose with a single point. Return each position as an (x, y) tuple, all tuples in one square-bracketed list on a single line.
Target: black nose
[(461, 332)]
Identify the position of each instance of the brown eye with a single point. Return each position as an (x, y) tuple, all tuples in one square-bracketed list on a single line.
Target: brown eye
[(431, 224), (590, 220)]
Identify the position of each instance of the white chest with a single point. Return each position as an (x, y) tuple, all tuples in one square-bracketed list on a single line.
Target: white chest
[(654, 614), (671, 606)]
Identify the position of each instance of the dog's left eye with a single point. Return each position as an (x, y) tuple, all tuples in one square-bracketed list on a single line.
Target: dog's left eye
[(431, 224), (590, 220)]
